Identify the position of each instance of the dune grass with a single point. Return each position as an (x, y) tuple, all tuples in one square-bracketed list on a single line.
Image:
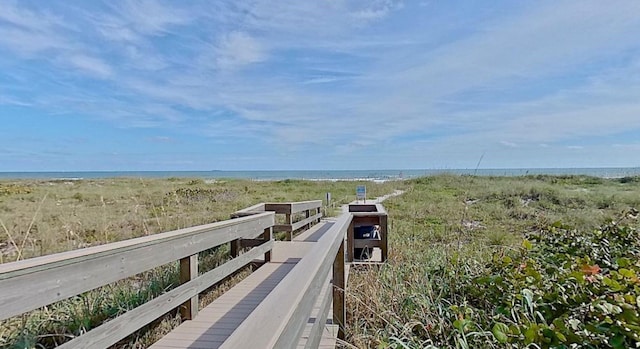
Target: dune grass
[(473, 265)]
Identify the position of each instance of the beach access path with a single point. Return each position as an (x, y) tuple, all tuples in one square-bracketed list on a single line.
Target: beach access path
[(378, 200)]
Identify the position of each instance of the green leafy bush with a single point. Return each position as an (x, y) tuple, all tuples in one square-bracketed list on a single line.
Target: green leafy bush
[(565, 289)]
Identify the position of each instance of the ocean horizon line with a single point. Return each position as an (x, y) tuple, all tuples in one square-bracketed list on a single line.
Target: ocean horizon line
[(366, 174)]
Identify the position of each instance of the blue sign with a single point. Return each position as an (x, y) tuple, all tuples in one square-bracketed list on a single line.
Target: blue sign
[(361, 192)]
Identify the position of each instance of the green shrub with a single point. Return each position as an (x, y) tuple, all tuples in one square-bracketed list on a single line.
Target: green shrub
[(564, 288)]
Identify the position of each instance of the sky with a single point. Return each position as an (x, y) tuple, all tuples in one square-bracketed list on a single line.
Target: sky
[(265, 85)]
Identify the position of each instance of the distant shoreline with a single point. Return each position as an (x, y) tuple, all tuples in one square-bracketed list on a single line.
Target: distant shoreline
[(323, 175)]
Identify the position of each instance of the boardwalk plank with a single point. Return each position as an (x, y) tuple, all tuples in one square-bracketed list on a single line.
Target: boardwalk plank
[(217, 321)]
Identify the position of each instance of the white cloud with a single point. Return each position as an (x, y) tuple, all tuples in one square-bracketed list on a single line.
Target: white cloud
[(509, 144), (376, 10), (30, 20), (27, 43), (148, 17), (91, 65), (6, 100), (238, 49)]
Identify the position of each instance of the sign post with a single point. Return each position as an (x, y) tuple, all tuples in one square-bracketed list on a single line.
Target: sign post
[(361, 193)]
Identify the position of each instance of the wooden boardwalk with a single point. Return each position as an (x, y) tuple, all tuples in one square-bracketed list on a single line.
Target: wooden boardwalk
[(216, 322), (294, 300)]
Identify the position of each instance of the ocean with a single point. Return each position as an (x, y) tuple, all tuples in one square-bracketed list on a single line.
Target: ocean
[(369, 175)]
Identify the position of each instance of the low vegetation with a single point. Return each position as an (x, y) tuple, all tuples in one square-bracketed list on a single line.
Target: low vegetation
[(533, 262), (475, 262)]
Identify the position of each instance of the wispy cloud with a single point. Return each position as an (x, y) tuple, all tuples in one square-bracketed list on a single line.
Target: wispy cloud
[(237, 49), (92, 65), (509, 78), (509, 144)]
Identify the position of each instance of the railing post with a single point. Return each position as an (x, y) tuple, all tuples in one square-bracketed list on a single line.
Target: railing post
[(339, 308), (385, 238), (188, 272), (234, 248), (318, 211), (307, 214), (350, 233), (266, 236), (287, 218)]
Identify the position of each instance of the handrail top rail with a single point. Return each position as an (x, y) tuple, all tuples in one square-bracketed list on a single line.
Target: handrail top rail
[(293, 207), (368, 214), (278, 207), (105, 249), (294, 202)]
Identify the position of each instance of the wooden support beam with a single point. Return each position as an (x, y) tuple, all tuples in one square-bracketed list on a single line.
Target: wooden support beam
[(384, 235), (339, 287), (288, 221), (350, 233), (363, 243), (267, 236), (234, 248), (188, 272), (244, 243)]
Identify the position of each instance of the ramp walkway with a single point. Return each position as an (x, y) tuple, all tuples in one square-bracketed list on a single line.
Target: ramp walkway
[(215, 323)]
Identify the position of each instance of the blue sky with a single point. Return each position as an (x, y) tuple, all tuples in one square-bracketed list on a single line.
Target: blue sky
[(241, 85)]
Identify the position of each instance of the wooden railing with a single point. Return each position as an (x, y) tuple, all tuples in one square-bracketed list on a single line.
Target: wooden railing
[(279, 320), (37, 282), (297, 215)]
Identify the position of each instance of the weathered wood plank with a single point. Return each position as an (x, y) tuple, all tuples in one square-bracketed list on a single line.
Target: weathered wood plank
[(244, 243), (384, 234), (365, 208), (292, 207), (339, 307), (366, 220), (267, 235), (315, 335), (30, 284), (361, 243), (127, 323), (249, 211), (275, 324), (305, 205), (368, 214), (314, 233), (224, 315), (350, 239), (188, 272), (287, 250), (297, 225), (306, 221), (280, 208)]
